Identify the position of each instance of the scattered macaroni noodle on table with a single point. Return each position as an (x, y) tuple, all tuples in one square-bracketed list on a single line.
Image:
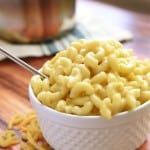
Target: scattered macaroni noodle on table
[(93, 78), (29, 134)]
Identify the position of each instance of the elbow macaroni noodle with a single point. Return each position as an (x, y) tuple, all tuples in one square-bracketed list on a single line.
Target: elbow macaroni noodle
[(94, 78), (23, 131)]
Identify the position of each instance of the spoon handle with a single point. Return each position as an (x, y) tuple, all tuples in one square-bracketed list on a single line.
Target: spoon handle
[(21, 63)]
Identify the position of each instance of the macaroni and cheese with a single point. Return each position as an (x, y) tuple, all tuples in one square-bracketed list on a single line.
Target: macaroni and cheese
[(94, 78)]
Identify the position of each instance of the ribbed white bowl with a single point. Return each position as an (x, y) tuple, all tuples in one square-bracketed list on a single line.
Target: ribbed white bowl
[(126, 131)]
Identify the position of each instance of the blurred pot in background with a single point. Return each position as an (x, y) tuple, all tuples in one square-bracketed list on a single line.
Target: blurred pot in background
[(35, 20)]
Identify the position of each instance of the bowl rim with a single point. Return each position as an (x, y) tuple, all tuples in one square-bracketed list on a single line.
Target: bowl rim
[(122, 117)]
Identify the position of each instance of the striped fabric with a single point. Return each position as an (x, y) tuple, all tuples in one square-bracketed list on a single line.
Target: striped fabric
[(88, 29)]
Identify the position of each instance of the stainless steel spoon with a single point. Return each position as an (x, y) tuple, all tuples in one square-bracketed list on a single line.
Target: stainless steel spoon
[(21, 63)]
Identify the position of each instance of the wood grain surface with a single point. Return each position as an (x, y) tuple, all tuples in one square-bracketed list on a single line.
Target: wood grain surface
[(14, 79)]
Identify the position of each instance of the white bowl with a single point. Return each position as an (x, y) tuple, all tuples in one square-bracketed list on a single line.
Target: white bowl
[(125, 131)]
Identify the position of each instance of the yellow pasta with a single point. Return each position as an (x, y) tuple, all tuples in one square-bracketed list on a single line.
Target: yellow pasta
[(94, 78), (8, 138), (84, 110), (99, 78), (30, 136), (80, 101), (81, 89)]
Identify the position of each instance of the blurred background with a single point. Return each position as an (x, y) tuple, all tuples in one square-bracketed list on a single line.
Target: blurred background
[(26, 21), (44, 27), (35, 20), (142, 6)]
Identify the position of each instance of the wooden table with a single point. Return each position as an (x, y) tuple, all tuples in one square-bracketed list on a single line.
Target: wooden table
[(14, 79)]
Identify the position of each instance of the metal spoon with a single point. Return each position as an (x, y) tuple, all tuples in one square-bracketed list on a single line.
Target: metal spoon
[(21, 63)]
